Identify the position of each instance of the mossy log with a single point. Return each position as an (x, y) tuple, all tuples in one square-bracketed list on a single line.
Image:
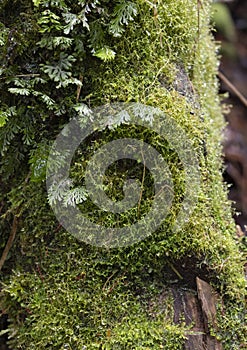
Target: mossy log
[(173, 289)]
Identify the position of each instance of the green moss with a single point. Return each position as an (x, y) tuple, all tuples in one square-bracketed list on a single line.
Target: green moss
[(64, 294)]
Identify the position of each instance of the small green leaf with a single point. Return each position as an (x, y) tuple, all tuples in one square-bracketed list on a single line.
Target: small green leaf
[(18, 91), (3, 118), (36, 2), (105, 54)]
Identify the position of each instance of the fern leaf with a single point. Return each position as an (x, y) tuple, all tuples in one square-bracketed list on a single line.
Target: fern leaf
[(105, 54), (124, 12)]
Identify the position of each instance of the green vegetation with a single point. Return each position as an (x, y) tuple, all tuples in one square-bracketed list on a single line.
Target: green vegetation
[(60, 58)]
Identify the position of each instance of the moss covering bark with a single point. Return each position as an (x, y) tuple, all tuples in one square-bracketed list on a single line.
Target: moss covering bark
[(60, 293)]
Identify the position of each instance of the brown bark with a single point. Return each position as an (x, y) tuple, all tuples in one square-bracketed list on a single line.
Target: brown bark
[(9, 243), (198, 308)]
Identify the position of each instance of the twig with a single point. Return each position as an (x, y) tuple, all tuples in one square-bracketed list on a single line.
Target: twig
[(9, 243), (142, 185), (233, 88), (175, 270), (21, 76), (115, 283), (108, 279), (78, 91)]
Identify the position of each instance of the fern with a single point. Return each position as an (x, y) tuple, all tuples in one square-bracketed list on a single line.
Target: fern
[(49, 21), (36, 2), (60, 72), (3, 34), (97, 37), (57, 191), (61, 193), (75, 196), (71, 20), (10, 129), (83, 110), (124, 12), (19, 91), (28, 131), (51, 43), (49, 102), (3, 118), (105, 54), (38, 161)]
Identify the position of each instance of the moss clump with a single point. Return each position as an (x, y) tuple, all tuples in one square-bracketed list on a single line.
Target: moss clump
[(64, 294)]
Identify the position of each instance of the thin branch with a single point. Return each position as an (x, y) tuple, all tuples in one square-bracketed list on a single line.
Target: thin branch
[(115, 283), (9, 243), (78, 91), (233, 88), (108, 279), (175, 270), (21, 76), (142, 184)]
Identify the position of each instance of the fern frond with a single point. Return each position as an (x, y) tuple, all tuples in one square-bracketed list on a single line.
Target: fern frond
[(105, 54), (124, 12)]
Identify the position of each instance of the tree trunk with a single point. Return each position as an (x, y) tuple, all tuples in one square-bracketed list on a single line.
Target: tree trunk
[(178, 286)]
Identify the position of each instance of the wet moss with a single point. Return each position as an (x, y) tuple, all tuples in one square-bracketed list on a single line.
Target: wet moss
[(64, 294)]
